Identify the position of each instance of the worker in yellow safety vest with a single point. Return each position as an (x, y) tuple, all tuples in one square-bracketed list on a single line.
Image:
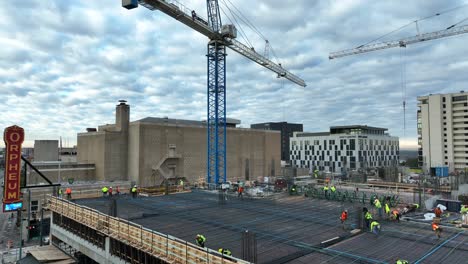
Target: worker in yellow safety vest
[(401, 261), (378, 205), (464, 213), (367, 218), (387, 209), (134, 191), (316, 172), (375, 227), (225, 251), (200, 239), (325, 188), (104, 191)]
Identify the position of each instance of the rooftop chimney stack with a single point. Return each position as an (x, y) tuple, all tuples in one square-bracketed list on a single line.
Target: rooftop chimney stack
[(122, 116)]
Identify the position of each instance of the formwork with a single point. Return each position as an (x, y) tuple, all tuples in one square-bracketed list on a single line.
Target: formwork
[(288, 229)]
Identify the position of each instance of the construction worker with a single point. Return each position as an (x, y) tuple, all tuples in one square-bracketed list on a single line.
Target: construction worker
[(464, 213), (194, 15), (375, 227), (104, 191), (396, 215), (438, 212), (344, 217), (367, 218), (225, 251), (436, 228), (60, 192), (316, 172), (401, 261), (134, 191), (378, 205), (333, 190), (240, 190), (117, 191), (110, 191), (68, 192), (200, 240), (387, 209), (325, 189)]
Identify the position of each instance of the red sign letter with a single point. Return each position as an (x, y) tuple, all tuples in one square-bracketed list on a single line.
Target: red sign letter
[(13, 137)]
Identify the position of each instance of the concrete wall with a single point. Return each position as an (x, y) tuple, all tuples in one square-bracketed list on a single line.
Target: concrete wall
[(46, 150), (91, 147), (250, 153), (435, 132), (133, 151)]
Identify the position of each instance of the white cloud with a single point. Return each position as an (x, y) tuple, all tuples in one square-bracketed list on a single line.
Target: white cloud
[(63, 66)]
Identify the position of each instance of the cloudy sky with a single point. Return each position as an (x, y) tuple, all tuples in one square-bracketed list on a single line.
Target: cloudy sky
[(65, 64)]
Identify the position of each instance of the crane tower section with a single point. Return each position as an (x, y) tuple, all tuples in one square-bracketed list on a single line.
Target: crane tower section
[(220, 36)]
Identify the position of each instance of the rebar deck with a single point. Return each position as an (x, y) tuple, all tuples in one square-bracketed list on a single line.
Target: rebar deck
[(289, 229)]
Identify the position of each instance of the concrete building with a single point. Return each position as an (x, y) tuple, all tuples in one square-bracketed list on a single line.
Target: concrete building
[(150, 150), (287, 130), (345, 148), (443, 131), (46, 150)]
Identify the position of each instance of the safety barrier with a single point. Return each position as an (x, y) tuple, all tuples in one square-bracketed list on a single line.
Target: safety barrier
[(164, 247)]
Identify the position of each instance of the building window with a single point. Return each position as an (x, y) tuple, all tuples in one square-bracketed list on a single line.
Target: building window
[(443, 99), (443, 105), (459, 98)]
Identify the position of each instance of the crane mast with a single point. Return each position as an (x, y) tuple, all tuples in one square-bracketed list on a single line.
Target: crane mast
[(450, 31), (220, 36)]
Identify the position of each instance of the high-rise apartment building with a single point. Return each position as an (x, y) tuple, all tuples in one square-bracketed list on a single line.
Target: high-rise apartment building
[(345, 148), (287, 130), (443, 131)]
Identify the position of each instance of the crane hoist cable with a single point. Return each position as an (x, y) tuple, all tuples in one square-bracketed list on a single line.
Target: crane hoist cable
[(246, 21), (403, 84), (241, 31), (416, 22)]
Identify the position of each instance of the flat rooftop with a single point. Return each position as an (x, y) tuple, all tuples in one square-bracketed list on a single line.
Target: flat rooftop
[(289, 229)]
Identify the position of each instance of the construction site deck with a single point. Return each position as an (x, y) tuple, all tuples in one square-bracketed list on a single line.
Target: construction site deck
[(288, 229)]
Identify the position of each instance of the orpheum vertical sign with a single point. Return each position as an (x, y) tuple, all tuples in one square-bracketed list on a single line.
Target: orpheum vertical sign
[(13, 137)]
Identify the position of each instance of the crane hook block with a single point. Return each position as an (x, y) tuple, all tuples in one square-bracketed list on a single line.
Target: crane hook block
[(130, 4)]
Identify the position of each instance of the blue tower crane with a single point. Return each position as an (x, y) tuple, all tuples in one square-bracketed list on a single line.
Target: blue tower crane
[(220, 36)]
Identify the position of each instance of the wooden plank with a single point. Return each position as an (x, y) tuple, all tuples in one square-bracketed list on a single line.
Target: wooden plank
[(169, 250)]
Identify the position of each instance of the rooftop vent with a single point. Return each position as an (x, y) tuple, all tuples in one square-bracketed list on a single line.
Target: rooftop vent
[(122, 102)]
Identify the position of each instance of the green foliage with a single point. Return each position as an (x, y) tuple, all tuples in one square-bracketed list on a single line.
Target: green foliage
[(463, 198), (412, 162)]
